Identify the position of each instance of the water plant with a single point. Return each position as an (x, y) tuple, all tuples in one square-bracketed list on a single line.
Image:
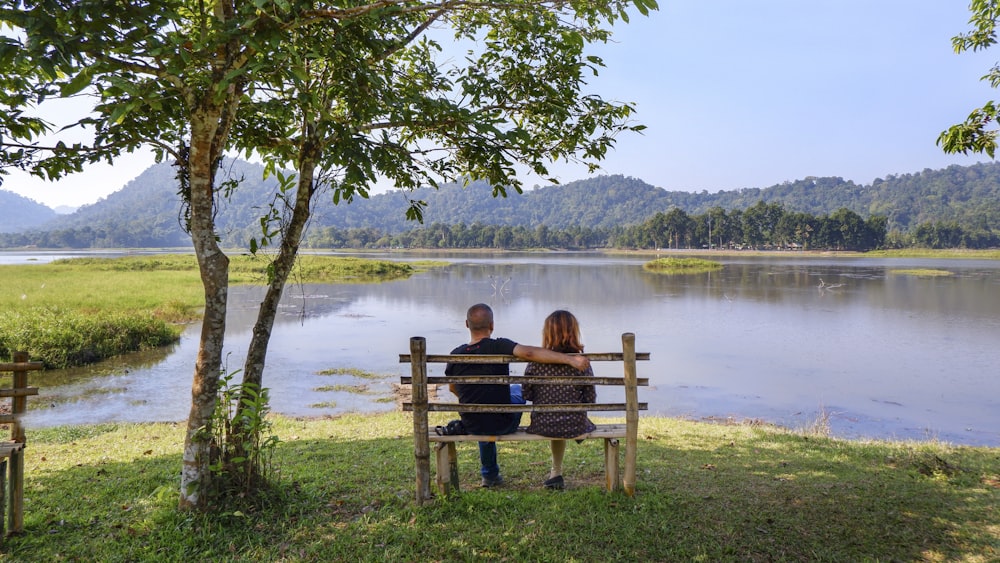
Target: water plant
[(922, 272), (674, 265)]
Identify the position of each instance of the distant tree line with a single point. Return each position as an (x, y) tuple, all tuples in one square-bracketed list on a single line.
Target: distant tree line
[(460, 235), (762, 226)]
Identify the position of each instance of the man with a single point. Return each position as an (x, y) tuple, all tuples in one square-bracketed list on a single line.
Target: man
[(479, 321)]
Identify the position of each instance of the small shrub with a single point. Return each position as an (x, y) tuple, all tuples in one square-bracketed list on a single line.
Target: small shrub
[(242, 445)]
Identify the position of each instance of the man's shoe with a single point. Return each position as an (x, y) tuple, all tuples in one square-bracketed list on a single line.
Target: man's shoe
[(490, 482), (554, 483)]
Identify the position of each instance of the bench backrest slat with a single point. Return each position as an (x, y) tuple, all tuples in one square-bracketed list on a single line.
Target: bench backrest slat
[(502, 359), (541, 380), (575, 407)]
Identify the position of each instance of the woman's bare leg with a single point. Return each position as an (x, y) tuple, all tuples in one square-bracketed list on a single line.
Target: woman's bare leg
[(558, 452)]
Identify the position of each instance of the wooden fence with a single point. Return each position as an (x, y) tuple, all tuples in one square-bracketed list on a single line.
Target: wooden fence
[(12, 451)]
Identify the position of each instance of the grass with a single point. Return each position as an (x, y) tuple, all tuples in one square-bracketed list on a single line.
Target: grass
[(77, 311), (705, 492), (991, 254), (922, 272), (356, 389), (354, 372), (681, 265)]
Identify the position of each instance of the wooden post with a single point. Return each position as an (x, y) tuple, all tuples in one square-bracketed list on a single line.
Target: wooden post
[(19, 405), (447, 468), (3, 495), (631, 411), (421, 446), (612, 480)]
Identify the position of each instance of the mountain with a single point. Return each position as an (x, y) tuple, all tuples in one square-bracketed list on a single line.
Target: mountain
[(21, 213), (146, 212)]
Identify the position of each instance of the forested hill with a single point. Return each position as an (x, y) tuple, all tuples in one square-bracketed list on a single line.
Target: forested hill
[(146, 211), (21, 213)]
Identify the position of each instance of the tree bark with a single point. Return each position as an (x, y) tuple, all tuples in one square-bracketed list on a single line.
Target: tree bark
[(291, 238), (213, 266)]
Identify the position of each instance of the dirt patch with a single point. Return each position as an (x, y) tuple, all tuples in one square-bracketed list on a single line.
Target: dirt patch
[(403, 393)]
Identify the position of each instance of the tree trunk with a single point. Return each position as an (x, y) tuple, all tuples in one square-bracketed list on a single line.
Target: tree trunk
[(291, 237), (213, 265), (283, 263)]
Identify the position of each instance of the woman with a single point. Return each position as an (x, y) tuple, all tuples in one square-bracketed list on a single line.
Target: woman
[(560, 333)]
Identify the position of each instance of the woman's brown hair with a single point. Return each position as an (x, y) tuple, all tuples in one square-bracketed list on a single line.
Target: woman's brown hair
[(561, 333)]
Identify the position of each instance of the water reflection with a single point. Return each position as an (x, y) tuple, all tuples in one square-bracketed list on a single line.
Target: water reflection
[(877, 353)]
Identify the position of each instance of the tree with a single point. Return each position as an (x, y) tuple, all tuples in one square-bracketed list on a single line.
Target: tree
[(851, 227), (978, 133), (348, 93)]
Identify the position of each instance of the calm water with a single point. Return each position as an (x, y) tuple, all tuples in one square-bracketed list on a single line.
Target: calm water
[(787, 340)]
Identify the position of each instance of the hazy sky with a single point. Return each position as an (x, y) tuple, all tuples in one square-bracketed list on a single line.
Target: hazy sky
[(752, 93)]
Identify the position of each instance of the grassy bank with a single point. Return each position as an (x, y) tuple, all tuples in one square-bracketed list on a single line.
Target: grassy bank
[(705, 492), (77, 311)]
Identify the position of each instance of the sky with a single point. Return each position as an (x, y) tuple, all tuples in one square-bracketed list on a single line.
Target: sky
[(748, 94)]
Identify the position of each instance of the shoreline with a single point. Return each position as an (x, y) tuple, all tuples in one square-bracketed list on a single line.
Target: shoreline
[(948, 253)]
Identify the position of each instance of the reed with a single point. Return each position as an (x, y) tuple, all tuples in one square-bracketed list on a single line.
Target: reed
[(82, 310)]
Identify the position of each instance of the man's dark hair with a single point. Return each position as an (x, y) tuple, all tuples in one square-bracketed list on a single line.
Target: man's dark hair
[(479, 317)]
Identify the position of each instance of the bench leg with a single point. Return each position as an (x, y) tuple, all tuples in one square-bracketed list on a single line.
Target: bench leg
[(16, 492), (447, 468), (3, 497), (612, 480)]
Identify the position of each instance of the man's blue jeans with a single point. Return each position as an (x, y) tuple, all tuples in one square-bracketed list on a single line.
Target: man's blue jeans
[(489, 468)]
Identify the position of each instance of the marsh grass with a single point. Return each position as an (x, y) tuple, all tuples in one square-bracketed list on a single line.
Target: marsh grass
[(78, 311), (960, 253), (356, 389), (705, 492), (921, 272), (353, 372), (324, 405), (681, 265)]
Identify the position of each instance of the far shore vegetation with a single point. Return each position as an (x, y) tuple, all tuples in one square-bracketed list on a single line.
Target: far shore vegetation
[(78, 311), (681, 265), (705, 491), (921, 272), (944, 254)]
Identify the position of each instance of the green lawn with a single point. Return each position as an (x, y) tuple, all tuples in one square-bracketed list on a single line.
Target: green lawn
[(705, 492)]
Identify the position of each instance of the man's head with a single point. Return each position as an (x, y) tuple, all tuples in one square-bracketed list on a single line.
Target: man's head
[(479, 319)]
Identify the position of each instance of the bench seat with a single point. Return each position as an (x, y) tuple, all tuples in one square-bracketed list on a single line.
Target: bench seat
[(602, 431), (447, 454)]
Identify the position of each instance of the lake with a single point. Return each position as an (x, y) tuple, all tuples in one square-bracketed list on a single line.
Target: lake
[(788, 339)]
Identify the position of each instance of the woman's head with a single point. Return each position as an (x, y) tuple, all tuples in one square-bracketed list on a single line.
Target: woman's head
[(561, 332)]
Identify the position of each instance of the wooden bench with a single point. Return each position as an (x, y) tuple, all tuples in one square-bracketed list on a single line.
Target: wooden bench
[(446, 454), (12, 451)]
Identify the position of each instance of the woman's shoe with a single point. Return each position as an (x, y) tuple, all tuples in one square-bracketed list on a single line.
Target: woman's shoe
[(554, 483)]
